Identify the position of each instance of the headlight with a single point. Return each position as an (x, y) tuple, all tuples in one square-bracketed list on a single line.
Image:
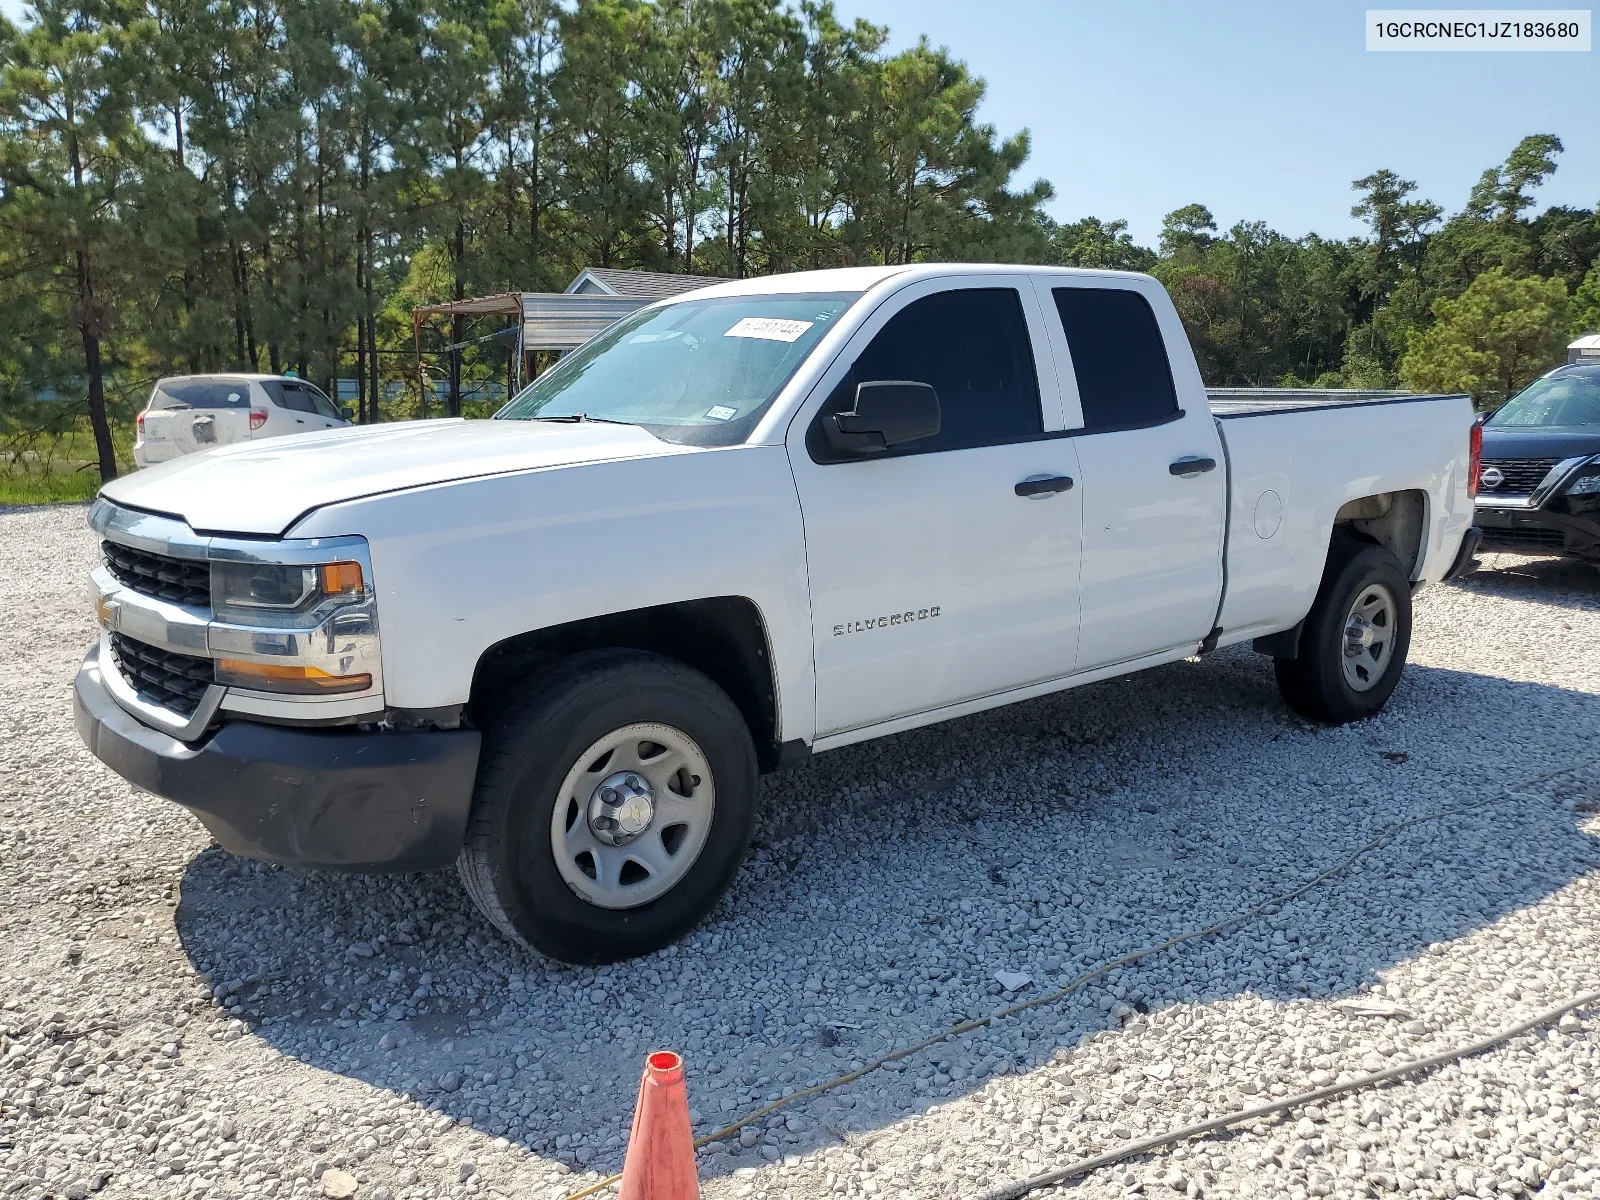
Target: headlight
[(299, 629), (1587, 486), (276, 594)]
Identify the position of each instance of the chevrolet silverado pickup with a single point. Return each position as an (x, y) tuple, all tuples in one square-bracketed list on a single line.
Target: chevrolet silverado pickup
[(757, 522)]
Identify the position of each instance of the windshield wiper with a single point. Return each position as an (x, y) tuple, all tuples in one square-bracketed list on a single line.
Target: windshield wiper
[(579, 418)]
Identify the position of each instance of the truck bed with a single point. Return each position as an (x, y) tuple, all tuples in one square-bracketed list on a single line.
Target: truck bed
[(1251, 402)]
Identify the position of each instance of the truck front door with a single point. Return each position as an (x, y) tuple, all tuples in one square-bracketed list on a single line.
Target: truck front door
[(947, 568), (1154, 488)]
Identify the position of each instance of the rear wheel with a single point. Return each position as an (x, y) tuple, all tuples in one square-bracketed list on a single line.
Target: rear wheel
[(1354, 642), (613, 805)]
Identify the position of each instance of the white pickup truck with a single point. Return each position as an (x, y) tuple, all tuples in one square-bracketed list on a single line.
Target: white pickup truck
[(757, 522)]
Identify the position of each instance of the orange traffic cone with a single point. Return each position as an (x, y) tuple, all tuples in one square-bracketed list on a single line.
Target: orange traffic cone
[(660, 1162)]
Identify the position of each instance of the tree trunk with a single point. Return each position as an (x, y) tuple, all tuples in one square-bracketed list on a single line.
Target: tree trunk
[(361, 328), (367, 327), (459, 292), (301, 256), (372, 358), (373, 412), (89, 325), (242, 274)]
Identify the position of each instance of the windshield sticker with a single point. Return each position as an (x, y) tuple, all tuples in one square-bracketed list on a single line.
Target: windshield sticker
[(769, 329), (722, 412)]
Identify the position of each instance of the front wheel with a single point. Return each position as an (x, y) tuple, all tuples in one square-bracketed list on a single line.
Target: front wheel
[(1354, 641), (614, 804)]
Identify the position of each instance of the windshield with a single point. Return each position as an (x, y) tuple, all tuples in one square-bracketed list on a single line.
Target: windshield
[(699, 372), (1568, 396)]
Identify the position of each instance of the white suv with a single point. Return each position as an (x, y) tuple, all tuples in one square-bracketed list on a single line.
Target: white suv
[(195, 412)]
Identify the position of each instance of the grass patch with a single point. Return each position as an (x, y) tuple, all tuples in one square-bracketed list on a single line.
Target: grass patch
[(57, 487), (55, 461)]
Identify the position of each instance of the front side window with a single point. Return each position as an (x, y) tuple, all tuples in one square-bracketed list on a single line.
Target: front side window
[(972, 347), (698, 372), (1124, 379), (1568, 396), (320, 404)]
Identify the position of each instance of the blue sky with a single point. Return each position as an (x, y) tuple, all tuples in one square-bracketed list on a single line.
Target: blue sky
[(1260, 111), (1257, 110)]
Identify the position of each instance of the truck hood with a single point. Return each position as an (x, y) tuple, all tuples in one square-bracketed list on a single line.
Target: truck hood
[(1545, 441), (265, 487)]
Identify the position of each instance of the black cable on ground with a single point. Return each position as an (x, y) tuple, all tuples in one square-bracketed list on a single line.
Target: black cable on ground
[(1013, 1191), (1384, 835)]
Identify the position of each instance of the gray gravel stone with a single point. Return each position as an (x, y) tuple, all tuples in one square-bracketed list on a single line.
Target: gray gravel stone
[(175, 1019)]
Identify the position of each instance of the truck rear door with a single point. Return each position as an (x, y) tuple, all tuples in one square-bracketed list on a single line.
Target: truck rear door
[(1153, 484), (196, 414)]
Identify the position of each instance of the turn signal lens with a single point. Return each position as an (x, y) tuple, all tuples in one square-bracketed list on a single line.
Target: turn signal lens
[(284, 677), (341, 578)]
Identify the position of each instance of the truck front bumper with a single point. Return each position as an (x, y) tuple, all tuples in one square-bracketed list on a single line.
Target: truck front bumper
[(346, 799)]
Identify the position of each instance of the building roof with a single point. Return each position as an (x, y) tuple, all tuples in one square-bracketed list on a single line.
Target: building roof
[(637, 285), (504, 302)]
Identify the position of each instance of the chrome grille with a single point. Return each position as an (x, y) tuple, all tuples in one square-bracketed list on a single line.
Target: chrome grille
[(180, 580), (1522, 475), (162, 677)]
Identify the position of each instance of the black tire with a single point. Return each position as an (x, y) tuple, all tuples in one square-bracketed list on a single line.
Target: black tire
[(1314, 684), (508, 862)]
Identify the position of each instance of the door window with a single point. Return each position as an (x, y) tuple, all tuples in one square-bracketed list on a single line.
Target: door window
[(289, 395), (972, 346), (321, 405), (1124, 379)]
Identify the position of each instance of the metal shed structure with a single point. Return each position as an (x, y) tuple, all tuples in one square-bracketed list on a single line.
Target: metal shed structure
[(560, 321)]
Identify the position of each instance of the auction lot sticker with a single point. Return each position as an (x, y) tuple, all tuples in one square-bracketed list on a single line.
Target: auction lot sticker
[(770, 329), (1478, 28)]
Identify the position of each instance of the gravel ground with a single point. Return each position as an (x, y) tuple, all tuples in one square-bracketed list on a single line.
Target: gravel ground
[(178, 1022)]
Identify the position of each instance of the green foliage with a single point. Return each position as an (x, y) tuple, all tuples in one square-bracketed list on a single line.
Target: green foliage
[(1097, 244), (189, 186), (1586, 304), (1495, 338)]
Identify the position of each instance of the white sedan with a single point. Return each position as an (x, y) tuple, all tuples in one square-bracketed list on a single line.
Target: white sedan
[(187, 413)]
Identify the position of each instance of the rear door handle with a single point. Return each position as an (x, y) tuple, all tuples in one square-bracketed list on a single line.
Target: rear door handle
[(1043, 485), (1187, 468)]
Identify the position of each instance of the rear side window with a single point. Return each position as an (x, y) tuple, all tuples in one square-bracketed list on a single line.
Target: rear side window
[(201, 393), (973, 347), (1124, 379)]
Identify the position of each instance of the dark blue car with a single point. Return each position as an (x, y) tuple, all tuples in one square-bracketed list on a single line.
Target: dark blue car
[(1539, 483)]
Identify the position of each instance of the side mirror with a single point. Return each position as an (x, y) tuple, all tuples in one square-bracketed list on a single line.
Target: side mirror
[(887, 413), (348, 413)]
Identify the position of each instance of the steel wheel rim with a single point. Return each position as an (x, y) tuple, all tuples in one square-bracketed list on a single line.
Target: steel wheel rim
[(1369, 633), (647, 768)]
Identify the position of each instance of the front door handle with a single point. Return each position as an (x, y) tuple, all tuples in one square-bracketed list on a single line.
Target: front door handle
[(1188, 468), (1043, 485)]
